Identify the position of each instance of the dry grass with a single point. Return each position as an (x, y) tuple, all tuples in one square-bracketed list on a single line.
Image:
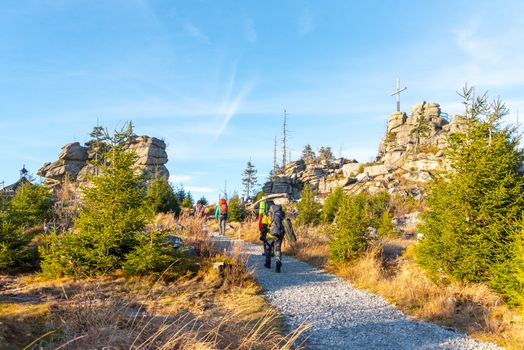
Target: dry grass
[(204, 310), (470, 308)]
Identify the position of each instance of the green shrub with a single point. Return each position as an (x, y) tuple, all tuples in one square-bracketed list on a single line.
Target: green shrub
[(112, 218), (386, 227), (14, 253), (161, 196), (235, 210), (469, 229), (151, 253), (508, 276), (332, 205), (31, 205), (347, 233), (309, 209), (378, 204)]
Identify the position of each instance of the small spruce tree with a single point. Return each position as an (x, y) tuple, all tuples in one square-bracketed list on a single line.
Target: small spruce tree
[(31, 205), (347, 240), (110, 223), (308, 208), (325, 153), (308, 155), (468, 229), (235, 209), (332, 205), (161, 197), (249, 179), (14, 252)]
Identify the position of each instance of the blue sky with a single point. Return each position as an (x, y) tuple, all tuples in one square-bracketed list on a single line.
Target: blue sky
[(213, 77)]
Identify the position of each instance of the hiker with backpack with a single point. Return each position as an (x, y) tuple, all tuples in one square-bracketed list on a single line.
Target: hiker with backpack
[(274, 237), (221, 215)]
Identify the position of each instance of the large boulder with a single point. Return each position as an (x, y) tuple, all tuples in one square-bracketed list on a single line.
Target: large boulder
[(376, 170), (351, 169), (73, 151), (149, 150)]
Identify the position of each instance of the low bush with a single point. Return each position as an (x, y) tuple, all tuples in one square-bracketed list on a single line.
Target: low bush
[(332, 205), (309, 209), (14, 253)]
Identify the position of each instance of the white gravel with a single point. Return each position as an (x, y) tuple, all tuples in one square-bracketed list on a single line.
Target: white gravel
[(340, 316)]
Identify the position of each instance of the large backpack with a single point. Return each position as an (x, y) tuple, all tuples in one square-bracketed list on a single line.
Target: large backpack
[(223, 207), (288, 230)]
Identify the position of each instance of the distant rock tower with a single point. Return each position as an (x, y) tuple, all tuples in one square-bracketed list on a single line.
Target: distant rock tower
[(74, 161)]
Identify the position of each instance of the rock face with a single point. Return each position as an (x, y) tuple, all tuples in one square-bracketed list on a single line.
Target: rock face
[(74, 160), (410, 153), (422, 132)]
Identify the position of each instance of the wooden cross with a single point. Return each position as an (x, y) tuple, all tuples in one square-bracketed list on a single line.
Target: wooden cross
[(399, 90)]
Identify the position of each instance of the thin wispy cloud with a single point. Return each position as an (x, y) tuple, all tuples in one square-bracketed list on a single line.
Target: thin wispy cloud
[(469, 39), (494, 59), (195, 32), (233, 106)]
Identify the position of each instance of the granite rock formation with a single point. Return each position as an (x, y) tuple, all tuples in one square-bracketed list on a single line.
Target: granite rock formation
[(75, 161), (410, 153)]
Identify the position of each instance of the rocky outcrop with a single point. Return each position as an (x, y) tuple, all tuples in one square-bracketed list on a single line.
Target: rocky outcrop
[(151, 155), (425, 131), (410, 153), (75, 161)]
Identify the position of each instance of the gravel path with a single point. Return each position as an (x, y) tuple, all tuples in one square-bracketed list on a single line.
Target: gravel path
[(340, 316)]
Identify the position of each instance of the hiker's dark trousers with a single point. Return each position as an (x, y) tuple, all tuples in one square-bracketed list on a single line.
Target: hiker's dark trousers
[(222, 226), (271, 243)]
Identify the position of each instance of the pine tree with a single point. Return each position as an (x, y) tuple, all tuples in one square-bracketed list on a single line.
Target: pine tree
[(308, 155), (31, 205), (308, 208), (186, 203), (14, 252), (332, 205), (110, 223), (235, 209), (325, 153), (161, 197), (473, 209), (420, 129), (203, 201), (249, 179), (347, 240)]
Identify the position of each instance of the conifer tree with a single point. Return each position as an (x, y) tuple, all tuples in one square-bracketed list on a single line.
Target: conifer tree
[(109, 224), (347, 240), (308, 208), (249, 179), (235, 209), (14, 252), (203, 201), (31, 205), (325, 153), (332, 205), (468, 229), (308, 155), (420, 129), (161, 197)]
